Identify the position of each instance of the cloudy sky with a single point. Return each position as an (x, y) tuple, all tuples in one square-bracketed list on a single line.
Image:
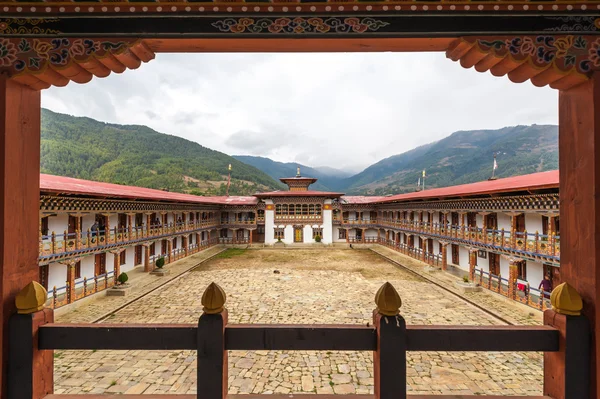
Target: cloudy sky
[(340, 110)]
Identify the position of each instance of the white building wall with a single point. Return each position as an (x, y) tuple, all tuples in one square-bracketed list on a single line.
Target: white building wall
[(479, 218), (58, 224), (288, 234), (307, 235), (87, 267), (504, 264), (371, 233), (86, 222), (484, 263), (269, 224), (504, 222), (463, 257), (57, 275), (336, 235), (533, 223), (535, 273), (327, 225)]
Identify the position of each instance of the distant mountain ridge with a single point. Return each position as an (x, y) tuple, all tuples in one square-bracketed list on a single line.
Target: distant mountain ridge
[(462, 157), (329, 178), (137, 155)]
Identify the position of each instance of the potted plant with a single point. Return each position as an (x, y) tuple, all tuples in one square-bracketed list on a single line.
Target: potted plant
[(467, 286), (122, 278), (160, 271), (121, 288), (317, 238)]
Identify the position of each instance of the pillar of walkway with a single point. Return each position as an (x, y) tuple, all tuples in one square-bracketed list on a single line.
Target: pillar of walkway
[(472, 263), (147, 257), (20, 199), (116, 265), (70, 280), (444, 255), (513, 272), (169, 251), (579, 165)]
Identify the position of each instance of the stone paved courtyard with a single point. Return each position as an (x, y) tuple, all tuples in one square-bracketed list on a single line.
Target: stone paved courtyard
[(312, 286)]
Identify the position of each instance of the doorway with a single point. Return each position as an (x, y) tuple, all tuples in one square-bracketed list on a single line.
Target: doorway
[(494, 263), (100, 264), (455, 255), (298, 234), (138, 255)]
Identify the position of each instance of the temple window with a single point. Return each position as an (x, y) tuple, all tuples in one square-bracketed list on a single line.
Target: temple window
[(317, 232), (279, 233), (342, 234)]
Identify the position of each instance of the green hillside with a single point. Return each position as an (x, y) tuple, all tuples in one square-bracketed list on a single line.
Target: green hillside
[(137, 155), (462, 157)]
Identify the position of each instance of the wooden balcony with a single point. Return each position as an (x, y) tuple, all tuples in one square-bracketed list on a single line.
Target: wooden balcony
[(545, 248), (57, 246)]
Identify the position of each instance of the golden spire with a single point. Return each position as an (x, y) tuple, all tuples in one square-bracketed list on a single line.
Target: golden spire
[(387, 300), (298, 171), (213, 299), (566, 300), (31, 298), (230, 167)]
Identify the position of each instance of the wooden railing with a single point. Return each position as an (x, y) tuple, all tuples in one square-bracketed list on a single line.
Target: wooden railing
[(414, 252), (65, 242), (84, 287), (534, 243), (565, 341)]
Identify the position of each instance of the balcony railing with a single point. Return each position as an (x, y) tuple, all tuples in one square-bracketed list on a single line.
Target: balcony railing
[(563, 339), (61, 296), (532, 243), (63, 243), (415, 252)]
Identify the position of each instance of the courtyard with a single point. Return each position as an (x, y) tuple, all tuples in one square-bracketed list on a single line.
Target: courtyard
[(300, 286)]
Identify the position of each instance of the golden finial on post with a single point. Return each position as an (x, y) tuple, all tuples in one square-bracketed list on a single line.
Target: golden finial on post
[(213, 299), (387, 300), (31, 298), (566, 300)]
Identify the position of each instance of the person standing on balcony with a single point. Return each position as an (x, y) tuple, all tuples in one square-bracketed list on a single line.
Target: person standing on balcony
[(94, 229), (546, 286)]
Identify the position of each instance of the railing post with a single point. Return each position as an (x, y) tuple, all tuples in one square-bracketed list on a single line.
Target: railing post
[(567, 372), (212, 377), (30, 371), (389, 360)]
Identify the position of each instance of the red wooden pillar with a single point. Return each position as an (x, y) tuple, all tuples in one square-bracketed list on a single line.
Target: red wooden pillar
[(579, 164), (513, 272), (444, 256), (116, 265), (147, 258), (19, 199), (472, 263), (70, 281)]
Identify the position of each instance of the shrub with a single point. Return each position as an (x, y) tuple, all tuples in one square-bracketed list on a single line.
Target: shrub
[(466, 279), (318, 238), (160, 262), (123, 277)]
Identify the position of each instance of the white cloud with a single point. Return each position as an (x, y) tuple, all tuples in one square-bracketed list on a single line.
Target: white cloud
[(345, 110)]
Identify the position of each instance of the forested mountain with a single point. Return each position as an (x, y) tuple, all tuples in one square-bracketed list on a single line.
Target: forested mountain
[(329, 178), (462, 157), (137, 155)]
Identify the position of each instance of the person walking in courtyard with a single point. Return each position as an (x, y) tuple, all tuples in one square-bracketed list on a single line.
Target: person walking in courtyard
[(546, 286)]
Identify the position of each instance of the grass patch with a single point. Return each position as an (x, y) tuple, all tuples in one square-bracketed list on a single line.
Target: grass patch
[(230, 253)]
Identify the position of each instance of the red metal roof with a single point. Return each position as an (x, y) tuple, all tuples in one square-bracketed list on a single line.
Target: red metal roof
[(299, 194), (69, 185), (360, 199), (534, 181)]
